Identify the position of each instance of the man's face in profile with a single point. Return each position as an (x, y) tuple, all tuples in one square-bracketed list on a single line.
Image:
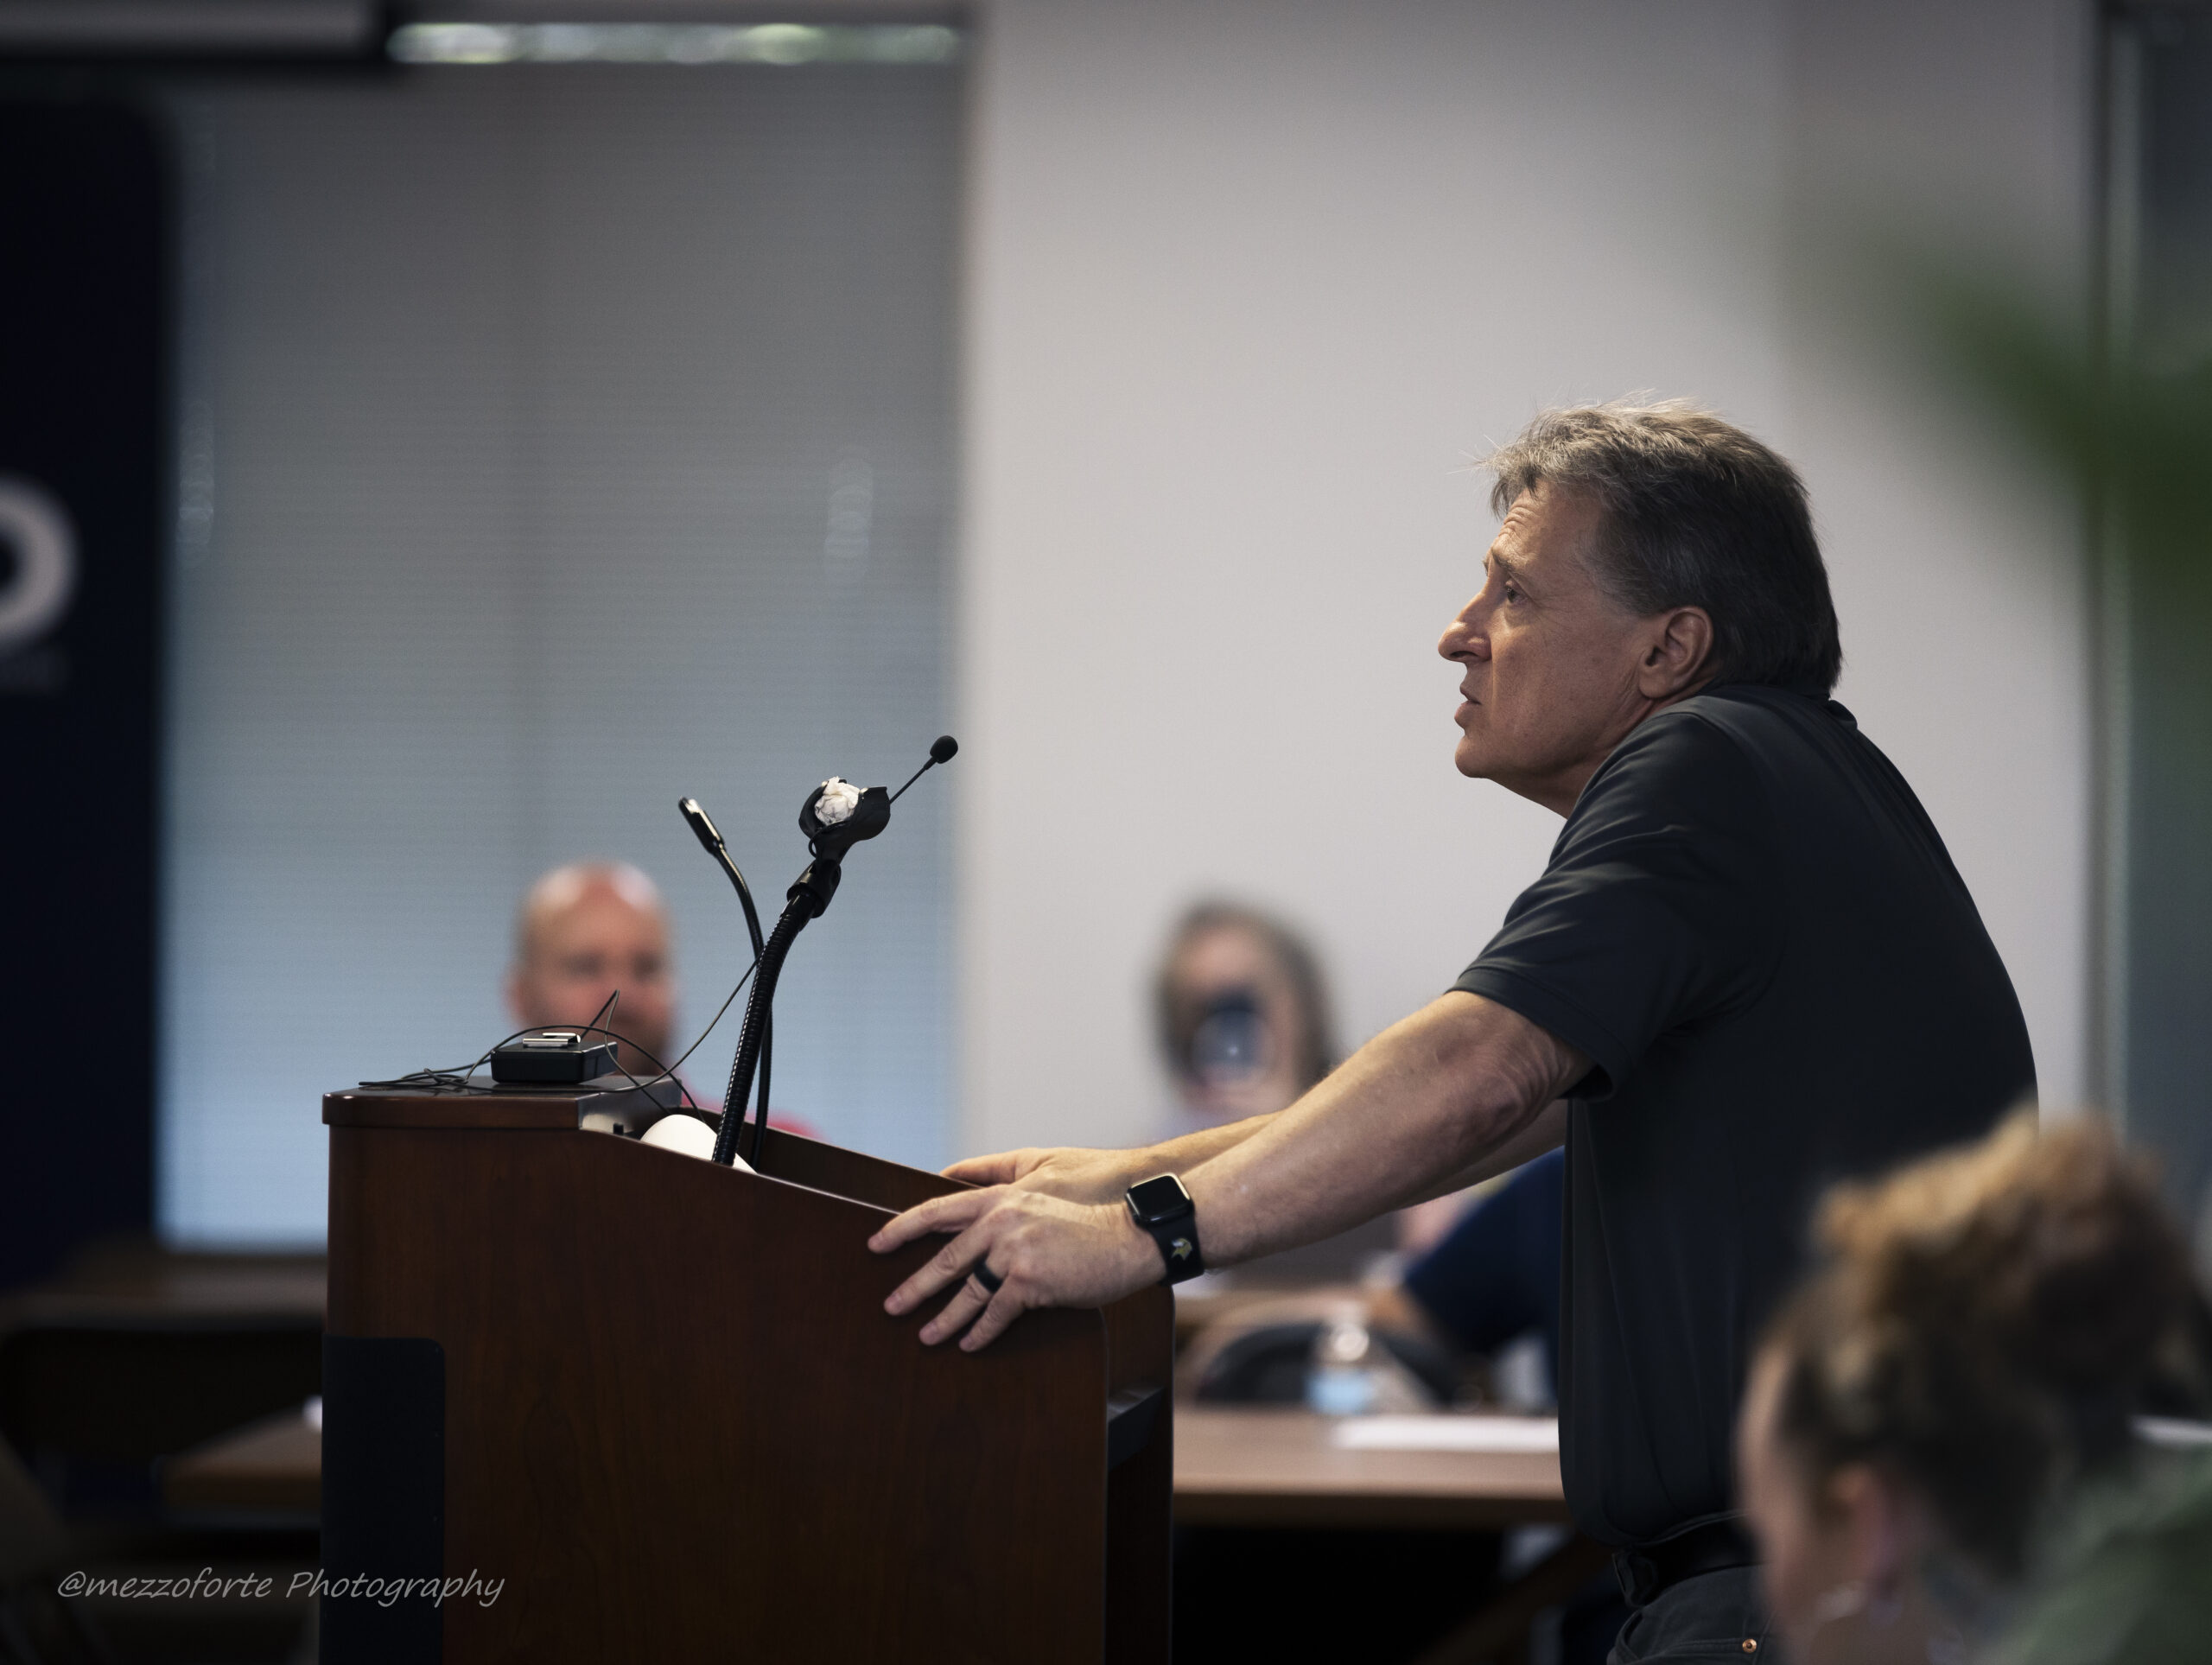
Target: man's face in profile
[(1548, 658), (583, 950)]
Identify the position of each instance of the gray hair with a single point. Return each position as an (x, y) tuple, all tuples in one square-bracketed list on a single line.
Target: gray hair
[(1696, 514)]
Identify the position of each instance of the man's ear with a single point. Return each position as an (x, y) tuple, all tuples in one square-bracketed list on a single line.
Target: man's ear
[(1677, 653)]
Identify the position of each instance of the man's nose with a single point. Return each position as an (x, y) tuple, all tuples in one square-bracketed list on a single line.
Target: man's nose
[(1462, 638)]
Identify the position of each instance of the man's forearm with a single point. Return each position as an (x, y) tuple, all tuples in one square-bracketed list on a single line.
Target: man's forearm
[(1085, 1175), (1461, 1082), (1547, 1132), (1191, 1150)]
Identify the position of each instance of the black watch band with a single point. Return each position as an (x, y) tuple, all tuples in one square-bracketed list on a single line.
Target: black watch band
[(1165, 1211)]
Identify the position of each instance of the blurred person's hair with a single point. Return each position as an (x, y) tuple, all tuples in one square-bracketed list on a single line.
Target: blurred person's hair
[(1695, 513), (1987, 1323), (563, 887), (1300, 968)]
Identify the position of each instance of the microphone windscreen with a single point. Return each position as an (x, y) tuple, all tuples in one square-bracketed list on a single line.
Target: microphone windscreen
[(943, 747)]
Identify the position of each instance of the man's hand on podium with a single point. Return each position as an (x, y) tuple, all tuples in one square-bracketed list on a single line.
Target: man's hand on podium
[(1080, 1176), (1045, 1251)]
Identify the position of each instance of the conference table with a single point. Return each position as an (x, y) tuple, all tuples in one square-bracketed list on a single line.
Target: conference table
[(1234, 1467)]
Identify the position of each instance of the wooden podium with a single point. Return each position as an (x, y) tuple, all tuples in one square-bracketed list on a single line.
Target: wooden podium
[(660, 1401)]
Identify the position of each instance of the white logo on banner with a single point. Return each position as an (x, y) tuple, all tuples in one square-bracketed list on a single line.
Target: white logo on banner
[(35, 595)]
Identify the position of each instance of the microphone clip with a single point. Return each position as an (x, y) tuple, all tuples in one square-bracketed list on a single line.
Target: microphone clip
[(838, 814), (816, 886)]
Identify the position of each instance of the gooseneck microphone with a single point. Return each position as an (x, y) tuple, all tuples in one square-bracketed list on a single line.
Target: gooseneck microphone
[(710, 838), (837, 816)]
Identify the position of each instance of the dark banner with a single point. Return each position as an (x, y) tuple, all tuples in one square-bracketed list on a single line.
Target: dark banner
[(83, 363)]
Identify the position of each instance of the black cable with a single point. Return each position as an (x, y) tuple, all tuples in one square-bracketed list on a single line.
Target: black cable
[(459, 1080), (620, 1042), (447, 1080), (437, 1080), (467, 1071), (463, 1080), (607, 1005), (710, 1029)]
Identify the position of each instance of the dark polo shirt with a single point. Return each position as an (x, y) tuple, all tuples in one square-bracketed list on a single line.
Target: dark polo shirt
[(1750, 927)]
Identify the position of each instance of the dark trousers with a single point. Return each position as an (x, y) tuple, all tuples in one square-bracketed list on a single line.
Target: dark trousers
[(1712, 1617)]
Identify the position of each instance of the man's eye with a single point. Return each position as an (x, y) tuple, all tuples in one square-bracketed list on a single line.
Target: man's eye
[(1513, 592)]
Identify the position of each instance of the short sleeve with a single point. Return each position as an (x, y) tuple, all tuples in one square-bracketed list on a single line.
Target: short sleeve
[(1659, 907)]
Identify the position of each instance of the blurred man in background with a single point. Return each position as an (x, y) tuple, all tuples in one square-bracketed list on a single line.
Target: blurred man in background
[(586, 930)]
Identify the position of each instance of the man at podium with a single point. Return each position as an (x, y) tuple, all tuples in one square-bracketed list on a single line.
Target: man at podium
[(1749, 968)]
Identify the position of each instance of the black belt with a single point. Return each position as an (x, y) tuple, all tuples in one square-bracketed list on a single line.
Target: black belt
[(1715, 1546)]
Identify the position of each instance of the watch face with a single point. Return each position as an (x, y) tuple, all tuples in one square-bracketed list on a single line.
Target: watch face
[(1158, 1199)]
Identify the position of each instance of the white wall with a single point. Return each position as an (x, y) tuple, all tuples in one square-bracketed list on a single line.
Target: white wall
[(1248, 284)]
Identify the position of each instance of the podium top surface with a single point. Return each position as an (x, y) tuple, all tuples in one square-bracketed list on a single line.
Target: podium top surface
[(486, 1104)]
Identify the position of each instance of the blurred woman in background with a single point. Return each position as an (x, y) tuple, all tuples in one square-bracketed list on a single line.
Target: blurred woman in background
[(1959, 1441), (1242, 1014)]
